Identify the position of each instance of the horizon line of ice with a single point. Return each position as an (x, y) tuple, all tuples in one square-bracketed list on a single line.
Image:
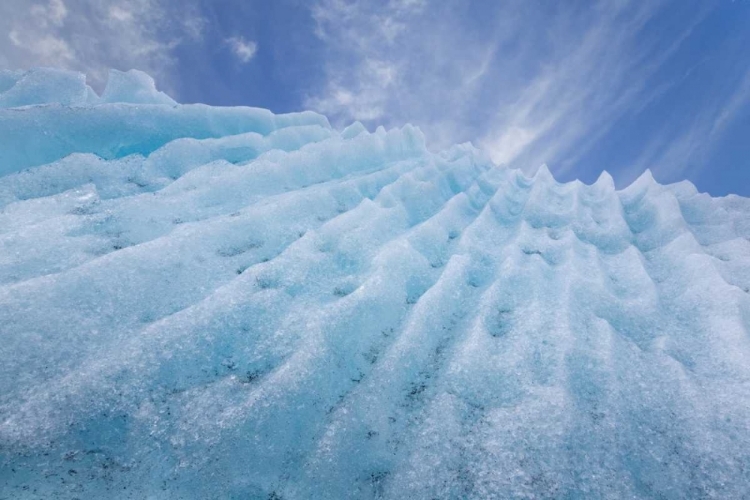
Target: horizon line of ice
[(42, 87)]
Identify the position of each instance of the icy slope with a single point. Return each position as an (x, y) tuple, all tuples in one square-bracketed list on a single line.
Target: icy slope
[(223, 303)]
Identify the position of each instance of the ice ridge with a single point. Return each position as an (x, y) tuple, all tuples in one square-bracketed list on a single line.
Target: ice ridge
[(201, 302)]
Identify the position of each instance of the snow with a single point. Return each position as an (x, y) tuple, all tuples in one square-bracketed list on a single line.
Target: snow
[(202, 302)]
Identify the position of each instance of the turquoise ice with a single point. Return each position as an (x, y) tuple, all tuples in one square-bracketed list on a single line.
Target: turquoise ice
[(201, 302)]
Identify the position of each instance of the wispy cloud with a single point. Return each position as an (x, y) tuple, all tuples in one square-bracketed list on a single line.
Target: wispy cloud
[(679, 152), (736, 102), (244, 50), (531, 84), (604, 73), (95, 35)]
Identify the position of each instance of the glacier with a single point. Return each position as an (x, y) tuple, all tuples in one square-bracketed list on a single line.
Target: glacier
[(202, 302)]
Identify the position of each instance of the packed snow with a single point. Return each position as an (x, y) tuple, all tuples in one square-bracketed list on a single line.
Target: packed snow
[(201, 302)]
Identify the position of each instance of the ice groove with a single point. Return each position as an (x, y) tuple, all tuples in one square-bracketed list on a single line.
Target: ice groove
[(203, 302)]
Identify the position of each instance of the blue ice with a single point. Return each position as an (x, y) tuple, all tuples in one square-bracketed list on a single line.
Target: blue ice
[(201, 302)]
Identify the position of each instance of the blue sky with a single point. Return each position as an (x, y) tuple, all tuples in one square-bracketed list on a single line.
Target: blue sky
[(582, 86)]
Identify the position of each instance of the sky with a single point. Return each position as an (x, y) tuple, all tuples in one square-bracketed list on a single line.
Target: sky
[(581, 86)]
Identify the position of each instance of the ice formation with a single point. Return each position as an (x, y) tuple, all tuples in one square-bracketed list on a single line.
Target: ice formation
[(201, 302)]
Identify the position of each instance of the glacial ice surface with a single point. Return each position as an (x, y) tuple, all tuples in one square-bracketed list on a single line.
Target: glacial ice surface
[(201, 302)]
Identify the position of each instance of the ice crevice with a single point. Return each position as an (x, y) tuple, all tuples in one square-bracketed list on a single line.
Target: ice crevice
[(201, 302)]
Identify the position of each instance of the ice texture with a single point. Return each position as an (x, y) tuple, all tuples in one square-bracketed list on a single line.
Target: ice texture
[(202, 302)]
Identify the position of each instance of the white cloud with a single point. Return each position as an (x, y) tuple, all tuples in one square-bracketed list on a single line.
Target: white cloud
[(48, 50), (120, 14), (53, 13), (94, 35), (367, 101), (506, 146), (243, 49)]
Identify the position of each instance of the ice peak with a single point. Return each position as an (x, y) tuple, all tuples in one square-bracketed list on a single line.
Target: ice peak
[(133, 87)]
